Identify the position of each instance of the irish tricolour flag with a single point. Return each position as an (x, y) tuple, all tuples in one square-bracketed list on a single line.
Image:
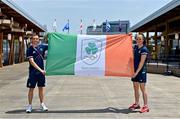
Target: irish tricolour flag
[(90, 55)]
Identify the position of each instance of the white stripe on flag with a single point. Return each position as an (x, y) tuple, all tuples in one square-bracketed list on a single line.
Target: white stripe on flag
[(90, 55)]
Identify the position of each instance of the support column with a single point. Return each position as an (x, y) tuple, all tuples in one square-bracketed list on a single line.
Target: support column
[(155, 39), (167, 40), (13, 39), (147, 38), (21, 50), (167, 43), (1, 49), (11, 52), (178, 42)]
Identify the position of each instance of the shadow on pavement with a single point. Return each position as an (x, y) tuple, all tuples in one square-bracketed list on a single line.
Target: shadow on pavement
[(106, 110)]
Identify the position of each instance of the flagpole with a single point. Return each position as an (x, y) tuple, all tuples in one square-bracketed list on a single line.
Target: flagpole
[(94, 25), (81, 26), (54, 25), (126, 29), (68, 24), (106, 26)]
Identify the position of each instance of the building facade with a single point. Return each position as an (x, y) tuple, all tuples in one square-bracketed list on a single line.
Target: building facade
[(91, 31), (116, 27), (16, 27), (162, 31)]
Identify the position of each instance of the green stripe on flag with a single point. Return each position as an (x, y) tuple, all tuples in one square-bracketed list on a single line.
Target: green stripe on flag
[(61, 54)]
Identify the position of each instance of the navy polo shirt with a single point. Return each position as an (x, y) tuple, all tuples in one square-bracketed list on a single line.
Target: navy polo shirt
[(137, 57), (37, 54)]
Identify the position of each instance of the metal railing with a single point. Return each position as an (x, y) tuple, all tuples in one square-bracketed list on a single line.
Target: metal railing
[(168, 61)]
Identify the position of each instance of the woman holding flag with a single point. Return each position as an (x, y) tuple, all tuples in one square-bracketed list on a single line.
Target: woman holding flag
[(139, 78)]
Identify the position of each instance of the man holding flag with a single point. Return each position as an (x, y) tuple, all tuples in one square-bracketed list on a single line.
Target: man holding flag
[(35, 56)]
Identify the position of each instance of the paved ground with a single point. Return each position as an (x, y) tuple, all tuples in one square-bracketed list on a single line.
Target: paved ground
[(72, 97)]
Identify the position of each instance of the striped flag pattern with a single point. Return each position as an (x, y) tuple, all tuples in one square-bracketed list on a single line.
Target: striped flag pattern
[(90, 55)]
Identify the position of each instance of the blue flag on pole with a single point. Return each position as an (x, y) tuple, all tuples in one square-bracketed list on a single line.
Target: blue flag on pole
[(66, 27)]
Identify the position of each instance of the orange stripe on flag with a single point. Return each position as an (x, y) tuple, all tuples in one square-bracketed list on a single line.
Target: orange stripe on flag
[(119, 56)]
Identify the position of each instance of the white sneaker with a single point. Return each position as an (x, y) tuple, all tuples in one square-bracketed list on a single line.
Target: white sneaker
[(29, 109), (43, 107)]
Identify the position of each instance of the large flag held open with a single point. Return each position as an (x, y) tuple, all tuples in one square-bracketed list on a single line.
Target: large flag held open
[(90, 55)]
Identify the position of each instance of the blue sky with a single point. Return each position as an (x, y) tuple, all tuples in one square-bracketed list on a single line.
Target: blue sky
[(45, 11)]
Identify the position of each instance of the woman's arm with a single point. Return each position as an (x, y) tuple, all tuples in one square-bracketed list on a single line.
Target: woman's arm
[(142, 61)]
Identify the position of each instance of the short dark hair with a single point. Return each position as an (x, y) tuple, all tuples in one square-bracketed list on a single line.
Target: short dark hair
[(34, 35)]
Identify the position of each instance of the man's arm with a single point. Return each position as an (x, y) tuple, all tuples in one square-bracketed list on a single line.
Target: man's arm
[(31, 60)]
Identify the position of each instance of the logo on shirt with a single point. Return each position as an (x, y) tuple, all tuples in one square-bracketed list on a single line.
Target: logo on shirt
[(41, 49)]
